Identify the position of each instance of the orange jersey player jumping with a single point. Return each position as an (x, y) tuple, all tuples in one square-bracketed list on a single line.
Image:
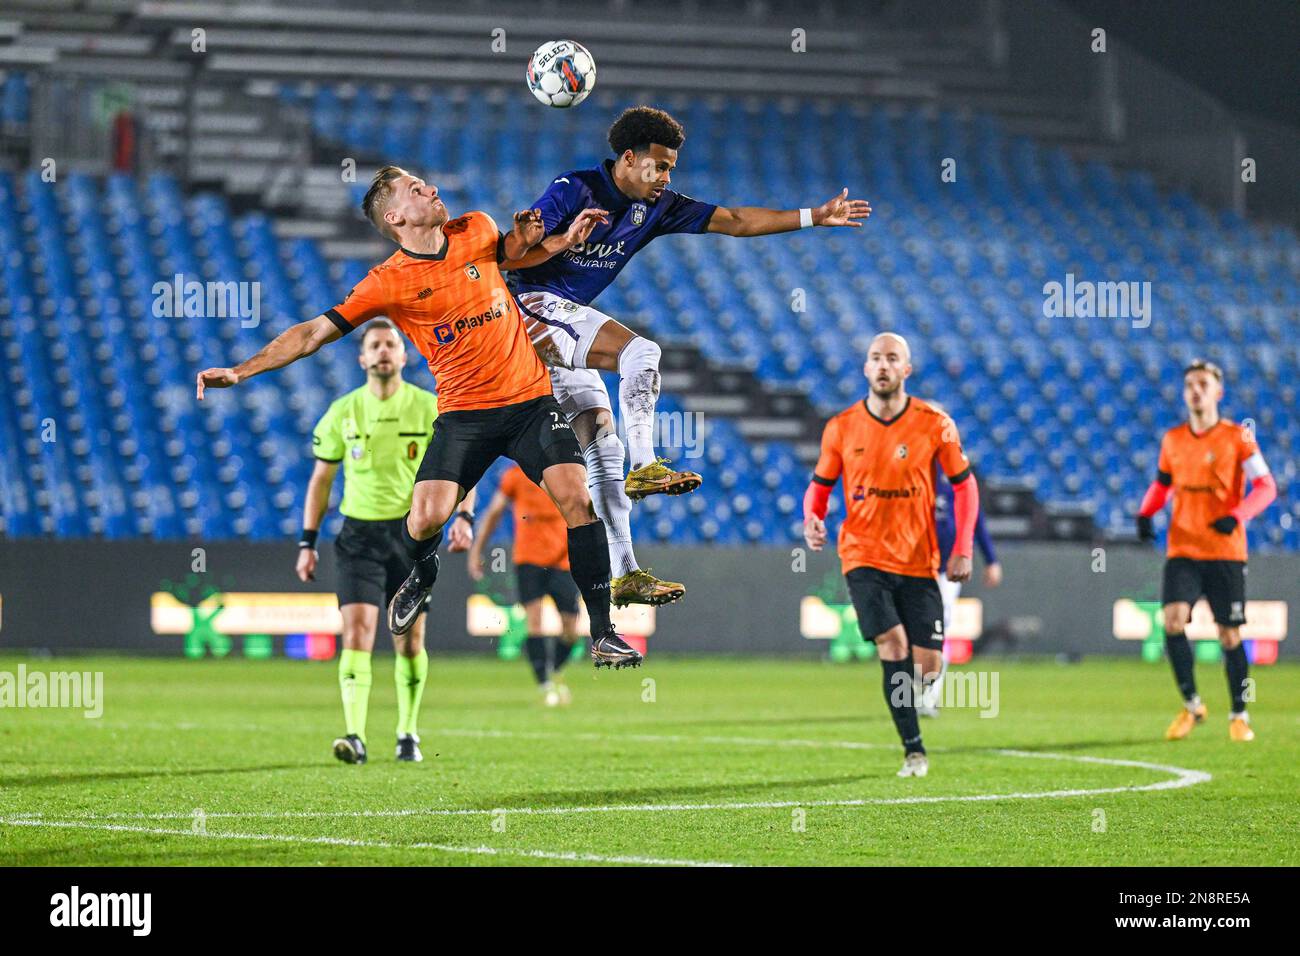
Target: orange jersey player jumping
[(885, 448), (1205, 463), (444, 289), (541, 556)]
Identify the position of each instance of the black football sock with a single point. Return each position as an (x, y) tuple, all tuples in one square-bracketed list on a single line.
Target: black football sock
[(898, 694), (423, 555), (560, 654), (1180, 656), (536, 650), (589, 565), (1237, 665)]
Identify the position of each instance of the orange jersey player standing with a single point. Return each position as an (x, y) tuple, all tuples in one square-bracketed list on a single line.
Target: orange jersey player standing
[(443, 287), (1205, 463), (885, 448), (541, 556)]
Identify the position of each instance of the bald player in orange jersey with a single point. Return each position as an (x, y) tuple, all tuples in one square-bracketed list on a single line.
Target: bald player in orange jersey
[(885, 448), (443, 288), (1205, 463), (541, 557)]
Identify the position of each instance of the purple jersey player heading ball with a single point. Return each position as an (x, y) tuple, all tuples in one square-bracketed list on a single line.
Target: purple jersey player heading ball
[(555, 285)]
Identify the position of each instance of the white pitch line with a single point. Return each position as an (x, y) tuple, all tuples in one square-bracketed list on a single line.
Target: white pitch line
[(556, 855), (1182, 777), (674, 739)]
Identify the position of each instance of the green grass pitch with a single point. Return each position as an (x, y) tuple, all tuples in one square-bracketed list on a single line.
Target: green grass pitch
[(718, 761)]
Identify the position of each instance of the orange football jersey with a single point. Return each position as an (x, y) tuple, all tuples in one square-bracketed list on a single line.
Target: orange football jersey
[(541, 536), (455, 307), (1208, 478), (887, 467)]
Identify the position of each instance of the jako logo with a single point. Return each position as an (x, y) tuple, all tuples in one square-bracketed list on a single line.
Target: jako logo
[(103, 909)]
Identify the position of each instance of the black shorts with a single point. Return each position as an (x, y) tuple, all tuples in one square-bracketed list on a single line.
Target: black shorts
[(536, 581), (534, 433), (1222, 583), (884, 600), (372, 561)]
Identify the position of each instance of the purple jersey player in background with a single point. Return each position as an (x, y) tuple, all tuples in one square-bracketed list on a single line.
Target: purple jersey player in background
[(555, 286)]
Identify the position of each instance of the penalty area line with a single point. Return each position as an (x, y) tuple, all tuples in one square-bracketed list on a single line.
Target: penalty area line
[(1181, 777)]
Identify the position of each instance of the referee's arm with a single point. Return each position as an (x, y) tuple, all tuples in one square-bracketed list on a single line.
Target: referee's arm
[(318, 493), (313, 512)]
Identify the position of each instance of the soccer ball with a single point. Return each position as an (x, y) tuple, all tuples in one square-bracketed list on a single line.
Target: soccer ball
[(561, 73)]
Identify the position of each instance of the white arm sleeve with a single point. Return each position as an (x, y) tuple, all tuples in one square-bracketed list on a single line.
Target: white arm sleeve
[(1255, 467)]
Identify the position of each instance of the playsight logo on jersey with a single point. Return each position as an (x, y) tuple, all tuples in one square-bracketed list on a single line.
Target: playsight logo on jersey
[(446, 333)]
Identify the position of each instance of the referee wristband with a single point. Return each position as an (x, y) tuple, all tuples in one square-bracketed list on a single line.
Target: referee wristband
[(466, 515), (308, 538), (805, 219)]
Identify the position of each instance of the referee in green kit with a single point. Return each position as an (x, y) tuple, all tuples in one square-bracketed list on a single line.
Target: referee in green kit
[(379, 433)]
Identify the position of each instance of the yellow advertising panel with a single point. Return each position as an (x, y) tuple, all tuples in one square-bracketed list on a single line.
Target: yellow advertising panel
[(248, 612)]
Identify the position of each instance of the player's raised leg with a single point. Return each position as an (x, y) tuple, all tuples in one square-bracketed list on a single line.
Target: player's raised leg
[(602, 450), (432, 504), (636, 359), (588, 561)]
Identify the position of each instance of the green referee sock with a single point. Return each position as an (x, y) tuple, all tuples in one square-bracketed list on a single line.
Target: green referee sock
[(354, 682), (409, 675)]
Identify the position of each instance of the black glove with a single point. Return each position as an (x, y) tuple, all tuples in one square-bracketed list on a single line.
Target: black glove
[(1146, 530), (1225, 525)]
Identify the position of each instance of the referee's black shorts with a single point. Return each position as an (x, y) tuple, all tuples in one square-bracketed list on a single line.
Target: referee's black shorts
[(372, 561), (536, 581), (1223, 583), (884, 600), (534, 433)]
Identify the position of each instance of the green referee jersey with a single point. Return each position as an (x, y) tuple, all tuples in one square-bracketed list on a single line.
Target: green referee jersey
[(380, 443)]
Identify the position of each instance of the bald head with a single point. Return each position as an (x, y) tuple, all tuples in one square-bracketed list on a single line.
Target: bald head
[(887, 340), (889, 362)]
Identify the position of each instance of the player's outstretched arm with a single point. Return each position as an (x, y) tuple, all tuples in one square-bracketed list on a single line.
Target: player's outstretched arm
[(577, 233), (755, 221), (293, 343)]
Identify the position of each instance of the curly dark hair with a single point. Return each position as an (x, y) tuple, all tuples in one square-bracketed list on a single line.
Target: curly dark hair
[(639, 127)]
